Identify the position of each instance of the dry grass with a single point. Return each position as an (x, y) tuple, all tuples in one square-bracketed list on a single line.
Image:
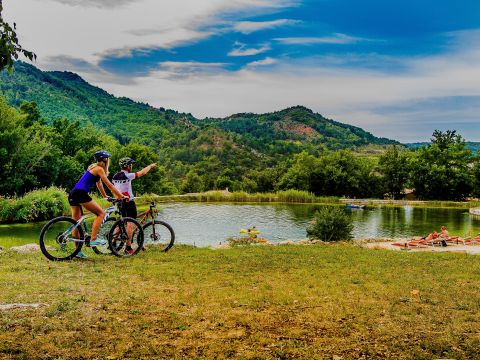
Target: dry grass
[(283, 302)]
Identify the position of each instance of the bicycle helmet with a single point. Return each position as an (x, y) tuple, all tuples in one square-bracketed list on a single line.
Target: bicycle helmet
[(124, 162), (101, 154)]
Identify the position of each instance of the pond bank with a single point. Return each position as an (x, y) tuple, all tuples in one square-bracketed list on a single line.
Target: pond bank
[(301, 197), (208, 224)]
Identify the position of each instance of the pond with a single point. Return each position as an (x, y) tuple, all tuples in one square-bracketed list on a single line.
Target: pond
[(203, 224)]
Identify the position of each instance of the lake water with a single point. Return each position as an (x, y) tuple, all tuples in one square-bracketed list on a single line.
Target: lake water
[(203, 224)]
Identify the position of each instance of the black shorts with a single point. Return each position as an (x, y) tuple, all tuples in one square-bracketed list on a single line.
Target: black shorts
[(77, 197), (129, 209)]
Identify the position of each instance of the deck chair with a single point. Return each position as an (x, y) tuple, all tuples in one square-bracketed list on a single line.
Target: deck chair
[(469, 240), (413, 243)]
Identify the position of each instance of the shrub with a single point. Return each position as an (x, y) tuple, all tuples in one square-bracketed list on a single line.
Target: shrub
[(36, 205), (7, 207), (331, 223)]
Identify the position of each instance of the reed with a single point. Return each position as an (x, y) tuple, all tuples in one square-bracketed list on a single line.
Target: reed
[(285, 196)]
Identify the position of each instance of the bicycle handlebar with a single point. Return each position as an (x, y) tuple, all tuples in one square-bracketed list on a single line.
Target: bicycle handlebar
[(114, 200)]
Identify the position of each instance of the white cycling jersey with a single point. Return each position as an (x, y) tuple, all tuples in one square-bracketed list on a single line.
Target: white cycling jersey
[(123, 182)]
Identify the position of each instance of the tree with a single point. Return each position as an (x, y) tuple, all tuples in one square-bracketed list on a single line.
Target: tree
[(341, 173), (393, 165), (192, 183), (154, 181), (476, 176), (299, 175), (445, 139), (23, 154), (30, 109), (441, 170), (9, 46)]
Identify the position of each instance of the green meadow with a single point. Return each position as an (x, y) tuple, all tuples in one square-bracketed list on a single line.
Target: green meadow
[(256, 302)]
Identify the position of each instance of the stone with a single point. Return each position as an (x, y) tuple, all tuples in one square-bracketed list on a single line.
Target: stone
[(25, 249), (19, 306)]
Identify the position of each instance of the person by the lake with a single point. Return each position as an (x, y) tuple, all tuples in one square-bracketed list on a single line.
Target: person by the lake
[(79, 196), (444, 235), (431, 236), (444, 231), (122, 181), (252, 232)]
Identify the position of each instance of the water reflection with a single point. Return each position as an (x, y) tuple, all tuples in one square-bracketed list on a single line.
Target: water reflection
[(210, 224)]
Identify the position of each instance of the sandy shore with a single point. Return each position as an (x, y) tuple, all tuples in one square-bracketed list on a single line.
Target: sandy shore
[(388, 245)]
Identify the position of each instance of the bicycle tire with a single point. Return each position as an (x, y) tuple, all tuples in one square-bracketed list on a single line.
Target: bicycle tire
[(104, 233), (163, 236), (56, 227), (118, 237)]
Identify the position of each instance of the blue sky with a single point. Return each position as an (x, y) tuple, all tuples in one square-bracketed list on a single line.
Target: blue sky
[(398, 69)]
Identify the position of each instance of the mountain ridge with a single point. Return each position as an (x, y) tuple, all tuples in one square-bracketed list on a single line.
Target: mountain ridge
[(64, 94)]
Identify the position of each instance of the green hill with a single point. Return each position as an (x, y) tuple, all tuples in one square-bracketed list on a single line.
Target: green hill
[(67, 95), (243, 151)]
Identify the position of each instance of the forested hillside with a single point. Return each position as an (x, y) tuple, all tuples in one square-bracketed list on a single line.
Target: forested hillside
[(66, 95), (57, 120)]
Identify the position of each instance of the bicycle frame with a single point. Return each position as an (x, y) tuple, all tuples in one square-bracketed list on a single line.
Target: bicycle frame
[(152, 211), (81, 222)]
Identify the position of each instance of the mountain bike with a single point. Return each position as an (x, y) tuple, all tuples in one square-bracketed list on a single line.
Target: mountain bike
[(155, 231), (62, 238)]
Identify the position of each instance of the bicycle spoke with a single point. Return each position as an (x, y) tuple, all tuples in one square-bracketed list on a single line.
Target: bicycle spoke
[(59, 240), (159, 233), (126, 237)]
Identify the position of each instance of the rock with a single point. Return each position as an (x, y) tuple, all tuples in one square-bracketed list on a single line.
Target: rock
[(25, 249), (19, 306)]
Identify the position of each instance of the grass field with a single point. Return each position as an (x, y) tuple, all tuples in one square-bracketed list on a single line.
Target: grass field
[(284, 302)]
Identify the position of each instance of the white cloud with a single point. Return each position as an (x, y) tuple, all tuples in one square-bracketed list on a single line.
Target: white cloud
[(264, 62), (178, 70), (75, 38), (248, 27), (242, 50), (57, 28), (353, 96), (96, 3), (334, 39)]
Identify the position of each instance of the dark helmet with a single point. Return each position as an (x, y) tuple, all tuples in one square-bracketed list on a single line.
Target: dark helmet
[(101, 154), (124, 162)]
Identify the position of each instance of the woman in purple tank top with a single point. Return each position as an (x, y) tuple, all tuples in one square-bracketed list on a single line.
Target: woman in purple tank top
[(96, 175)]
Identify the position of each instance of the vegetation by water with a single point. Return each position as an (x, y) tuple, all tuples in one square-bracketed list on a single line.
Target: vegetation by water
[(36, 205), (331, 224), (284, 196), (256, 302)]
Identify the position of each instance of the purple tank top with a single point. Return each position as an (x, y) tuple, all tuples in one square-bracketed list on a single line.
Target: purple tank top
[(86, 182)]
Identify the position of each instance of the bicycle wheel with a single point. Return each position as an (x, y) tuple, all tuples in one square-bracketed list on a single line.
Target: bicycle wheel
[(124, 229), (159, 233), (104, 234), (57, 241)]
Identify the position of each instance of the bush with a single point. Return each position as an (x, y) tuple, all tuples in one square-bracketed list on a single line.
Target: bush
[(331, 223), (36, 205)]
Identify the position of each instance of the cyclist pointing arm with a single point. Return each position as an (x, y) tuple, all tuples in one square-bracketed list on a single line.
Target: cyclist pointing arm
[(122, 181)]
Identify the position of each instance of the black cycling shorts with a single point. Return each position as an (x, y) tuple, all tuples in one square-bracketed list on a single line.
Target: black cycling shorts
[(129, 209), (77, 197)]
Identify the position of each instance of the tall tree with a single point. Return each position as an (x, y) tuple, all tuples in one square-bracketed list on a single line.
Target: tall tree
[(441, 170), (393, 165), (10, 49)]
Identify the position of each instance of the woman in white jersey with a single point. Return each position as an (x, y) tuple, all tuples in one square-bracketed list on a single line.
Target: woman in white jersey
[(122, 181)]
